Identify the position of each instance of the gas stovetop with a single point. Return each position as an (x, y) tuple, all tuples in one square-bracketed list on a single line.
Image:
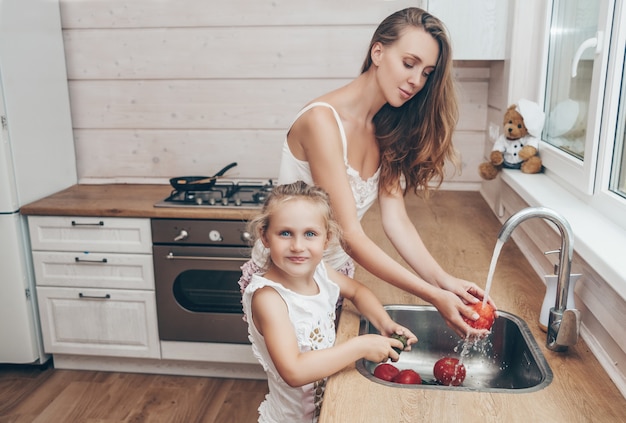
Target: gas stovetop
[(224, 194)]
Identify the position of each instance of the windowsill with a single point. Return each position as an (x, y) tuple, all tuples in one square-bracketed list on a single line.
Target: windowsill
[(601, 243)]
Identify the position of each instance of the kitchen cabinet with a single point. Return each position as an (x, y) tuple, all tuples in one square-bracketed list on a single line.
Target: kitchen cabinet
[(478, 28), (95, 284)]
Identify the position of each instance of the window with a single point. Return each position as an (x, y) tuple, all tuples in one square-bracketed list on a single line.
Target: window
[(617, 182), (572, 49), (585, 102), (578, 52), (583, 146), (610, 193)]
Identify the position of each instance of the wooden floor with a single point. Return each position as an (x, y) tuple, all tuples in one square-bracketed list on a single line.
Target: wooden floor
[(47, 395)]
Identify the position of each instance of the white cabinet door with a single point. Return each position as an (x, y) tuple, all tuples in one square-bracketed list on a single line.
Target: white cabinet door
[(111, 322), (36, 98), (478, 28), (94, 270), (90, 234), (8, 187), (19, 330)]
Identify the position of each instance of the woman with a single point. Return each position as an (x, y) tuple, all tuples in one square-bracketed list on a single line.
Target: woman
[(386, 133)]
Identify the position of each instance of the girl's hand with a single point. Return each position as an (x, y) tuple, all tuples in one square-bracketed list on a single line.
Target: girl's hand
[(393, 327), (378, 348)]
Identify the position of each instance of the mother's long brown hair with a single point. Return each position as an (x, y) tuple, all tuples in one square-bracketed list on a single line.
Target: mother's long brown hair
[(415, 140)]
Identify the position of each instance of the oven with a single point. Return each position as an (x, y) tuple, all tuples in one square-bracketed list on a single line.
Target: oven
[(197, 263), (197, 269)]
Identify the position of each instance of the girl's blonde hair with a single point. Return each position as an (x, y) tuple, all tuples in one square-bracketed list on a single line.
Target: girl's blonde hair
[(295, 191), (415, 139)]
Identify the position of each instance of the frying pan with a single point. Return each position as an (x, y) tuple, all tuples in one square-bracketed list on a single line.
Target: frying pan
[(198, 183)]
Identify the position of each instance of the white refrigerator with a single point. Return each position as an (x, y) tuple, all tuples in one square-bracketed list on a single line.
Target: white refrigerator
[(37, 157)]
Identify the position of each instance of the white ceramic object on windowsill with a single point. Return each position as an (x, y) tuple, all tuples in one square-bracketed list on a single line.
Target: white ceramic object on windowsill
[(550, 298)]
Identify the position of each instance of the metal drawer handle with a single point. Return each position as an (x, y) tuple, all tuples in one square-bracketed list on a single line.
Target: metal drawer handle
[(171, 256), (75, 223), (79, 260), (94, 297)]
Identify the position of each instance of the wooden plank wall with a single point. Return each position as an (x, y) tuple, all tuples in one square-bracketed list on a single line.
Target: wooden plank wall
[(163, 88)]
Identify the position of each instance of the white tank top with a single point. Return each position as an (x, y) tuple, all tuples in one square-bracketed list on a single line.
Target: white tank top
[(365, 192), (313, 319)]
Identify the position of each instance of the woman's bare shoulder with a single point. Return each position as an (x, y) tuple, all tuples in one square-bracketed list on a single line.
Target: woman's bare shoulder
[(318, 121), (318, 112)]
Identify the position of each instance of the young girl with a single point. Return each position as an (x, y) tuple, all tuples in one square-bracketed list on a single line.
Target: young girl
[(290, 307), (384, 134)]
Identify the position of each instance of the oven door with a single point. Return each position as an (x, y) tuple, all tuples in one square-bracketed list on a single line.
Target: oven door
[(197, 293)]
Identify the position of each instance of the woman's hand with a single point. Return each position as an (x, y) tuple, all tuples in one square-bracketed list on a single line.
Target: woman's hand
[(452, 309), (467, 291)]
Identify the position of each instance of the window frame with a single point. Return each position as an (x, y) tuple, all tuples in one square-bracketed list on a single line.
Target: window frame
[(580, 175), (604, 199), (598, 219)]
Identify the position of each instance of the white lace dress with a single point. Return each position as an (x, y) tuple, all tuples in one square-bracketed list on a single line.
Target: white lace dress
[(313, 319)]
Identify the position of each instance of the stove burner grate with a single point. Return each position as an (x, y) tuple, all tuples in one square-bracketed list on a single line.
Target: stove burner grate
[(244, 194)]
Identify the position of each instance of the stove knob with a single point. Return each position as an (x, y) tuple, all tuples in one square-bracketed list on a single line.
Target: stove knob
[(212, 201), (246, 236), (224, 201), (260, 197), (182, 235), (199, 201), (238, 201), (215, 236)]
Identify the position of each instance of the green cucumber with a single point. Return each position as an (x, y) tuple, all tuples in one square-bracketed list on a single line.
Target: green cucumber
[(400, 338)]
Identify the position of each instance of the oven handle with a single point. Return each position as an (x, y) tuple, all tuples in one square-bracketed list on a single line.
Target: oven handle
[(171, 256)]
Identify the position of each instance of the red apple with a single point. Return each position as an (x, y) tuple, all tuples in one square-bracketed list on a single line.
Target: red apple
[(449, 372), (407, 377), (487, 315), (386, 371)]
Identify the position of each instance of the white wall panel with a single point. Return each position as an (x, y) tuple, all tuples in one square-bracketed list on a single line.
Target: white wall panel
[(163, 88), (197, 13), (192, 103), (245, 52), (227, 53), (170, 153)]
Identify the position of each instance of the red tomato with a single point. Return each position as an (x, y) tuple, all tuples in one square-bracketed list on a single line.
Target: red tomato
[(386, 371), (487, 316), (449, 372), (407, 377)]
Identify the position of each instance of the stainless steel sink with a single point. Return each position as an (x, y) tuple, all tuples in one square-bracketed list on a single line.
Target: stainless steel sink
[(508, 360)]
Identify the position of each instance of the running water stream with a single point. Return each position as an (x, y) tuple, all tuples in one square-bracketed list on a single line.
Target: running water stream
[(468, 344), (492, 268)]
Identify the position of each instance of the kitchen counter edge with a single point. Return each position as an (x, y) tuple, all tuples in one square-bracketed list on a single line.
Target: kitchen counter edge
[(124, 200)]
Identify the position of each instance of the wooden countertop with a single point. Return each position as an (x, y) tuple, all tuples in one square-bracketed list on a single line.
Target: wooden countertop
[(461, 231), (124, 200)]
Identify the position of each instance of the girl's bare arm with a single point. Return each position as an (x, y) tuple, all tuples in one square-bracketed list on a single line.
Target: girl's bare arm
[(300, 368)]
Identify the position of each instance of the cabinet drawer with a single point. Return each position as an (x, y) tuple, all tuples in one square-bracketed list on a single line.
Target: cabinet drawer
[(99, 322), (94, 270), (101, 234)]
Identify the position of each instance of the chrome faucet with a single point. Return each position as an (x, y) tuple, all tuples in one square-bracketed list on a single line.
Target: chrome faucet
[(563, 323)]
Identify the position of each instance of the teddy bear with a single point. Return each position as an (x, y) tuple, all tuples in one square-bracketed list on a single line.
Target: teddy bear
[(517, 147)]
